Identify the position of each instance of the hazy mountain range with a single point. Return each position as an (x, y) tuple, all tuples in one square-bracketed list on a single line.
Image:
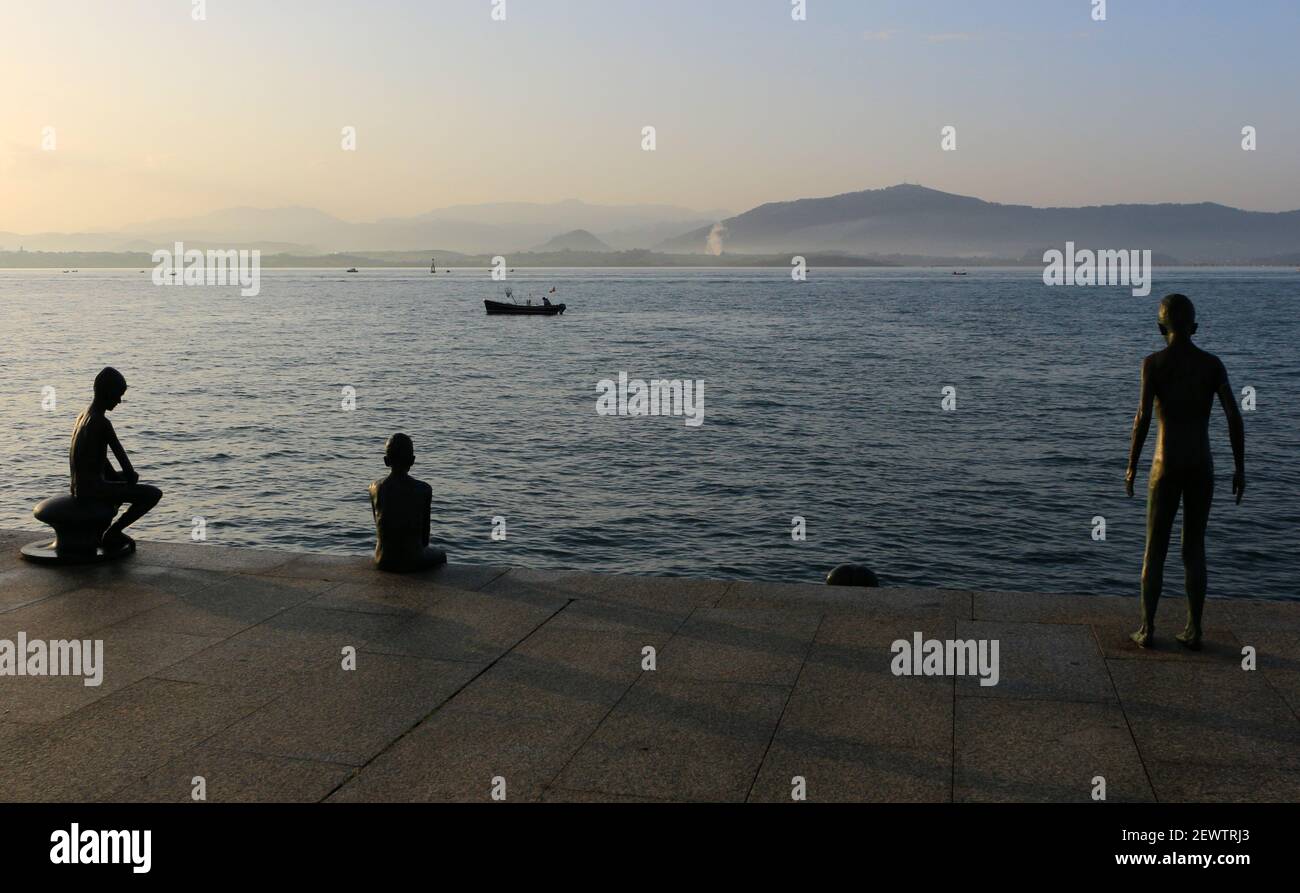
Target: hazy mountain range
[(576, 240), (903, 223), (490, 229), (914, 220)]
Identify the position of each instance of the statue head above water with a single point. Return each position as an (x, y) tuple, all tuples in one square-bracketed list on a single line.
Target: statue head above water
[(110, 387), (399, 453), (1177, 317)]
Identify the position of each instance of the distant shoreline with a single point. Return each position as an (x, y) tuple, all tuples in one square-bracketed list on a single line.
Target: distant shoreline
[(75, 260)]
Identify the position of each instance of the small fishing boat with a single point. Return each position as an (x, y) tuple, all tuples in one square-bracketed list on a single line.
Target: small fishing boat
[(510, 308), (499, 308), (352, 269)]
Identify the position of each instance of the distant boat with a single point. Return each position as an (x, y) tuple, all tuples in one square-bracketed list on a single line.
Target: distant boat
[(501, 308), (955, 273), (352, 269)]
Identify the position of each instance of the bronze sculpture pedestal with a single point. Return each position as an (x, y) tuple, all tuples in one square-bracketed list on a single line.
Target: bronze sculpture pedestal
[(78, 526)]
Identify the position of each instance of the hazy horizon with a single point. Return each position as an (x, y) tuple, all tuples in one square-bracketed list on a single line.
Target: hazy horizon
[(712, 213), (157, 115)]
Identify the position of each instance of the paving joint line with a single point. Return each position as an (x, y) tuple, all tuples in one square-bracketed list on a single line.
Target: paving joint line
[(789, 696), (1128, 724), (419, 722)]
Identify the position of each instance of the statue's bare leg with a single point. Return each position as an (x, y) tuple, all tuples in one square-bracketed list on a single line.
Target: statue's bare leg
[(1162, 505), (1197, 496), (141, 499)]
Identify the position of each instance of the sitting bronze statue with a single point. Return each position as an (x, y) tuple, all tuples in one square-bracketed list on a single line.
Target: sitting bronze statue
[(401, 506), (93, 476), (83, 522), (1181, 382)]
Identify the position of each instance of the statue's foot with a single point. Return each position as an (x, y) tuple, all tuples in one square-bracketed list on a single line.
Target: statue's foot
[(1142, 637), (1189, 638), (115, 541)]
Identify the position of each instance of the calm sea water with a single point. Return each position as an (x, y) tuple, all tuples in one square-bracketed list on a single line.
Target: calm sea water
[(822, 400)]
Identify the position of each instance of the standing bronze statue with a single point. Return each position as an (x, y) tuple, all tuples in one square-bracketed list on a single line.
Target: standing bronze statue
[(1181, 381), (401, 506)]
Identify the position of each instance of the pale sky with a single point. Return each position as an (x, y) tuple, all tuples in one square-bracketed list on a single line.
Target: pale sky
[(158, 115)]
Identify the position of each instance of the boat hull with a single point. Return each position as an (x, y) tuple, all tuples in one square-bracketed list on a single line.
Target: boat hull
[(498, 308)]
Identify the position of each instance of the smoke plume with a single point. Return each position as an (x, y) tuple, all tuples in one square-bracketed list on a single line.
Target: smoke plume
[(715, 239)]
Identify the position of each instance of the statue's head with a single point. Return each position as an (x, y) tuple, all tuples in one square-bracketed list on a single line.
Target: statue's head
[(1177, 316), (110, 385), (399, 453)]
